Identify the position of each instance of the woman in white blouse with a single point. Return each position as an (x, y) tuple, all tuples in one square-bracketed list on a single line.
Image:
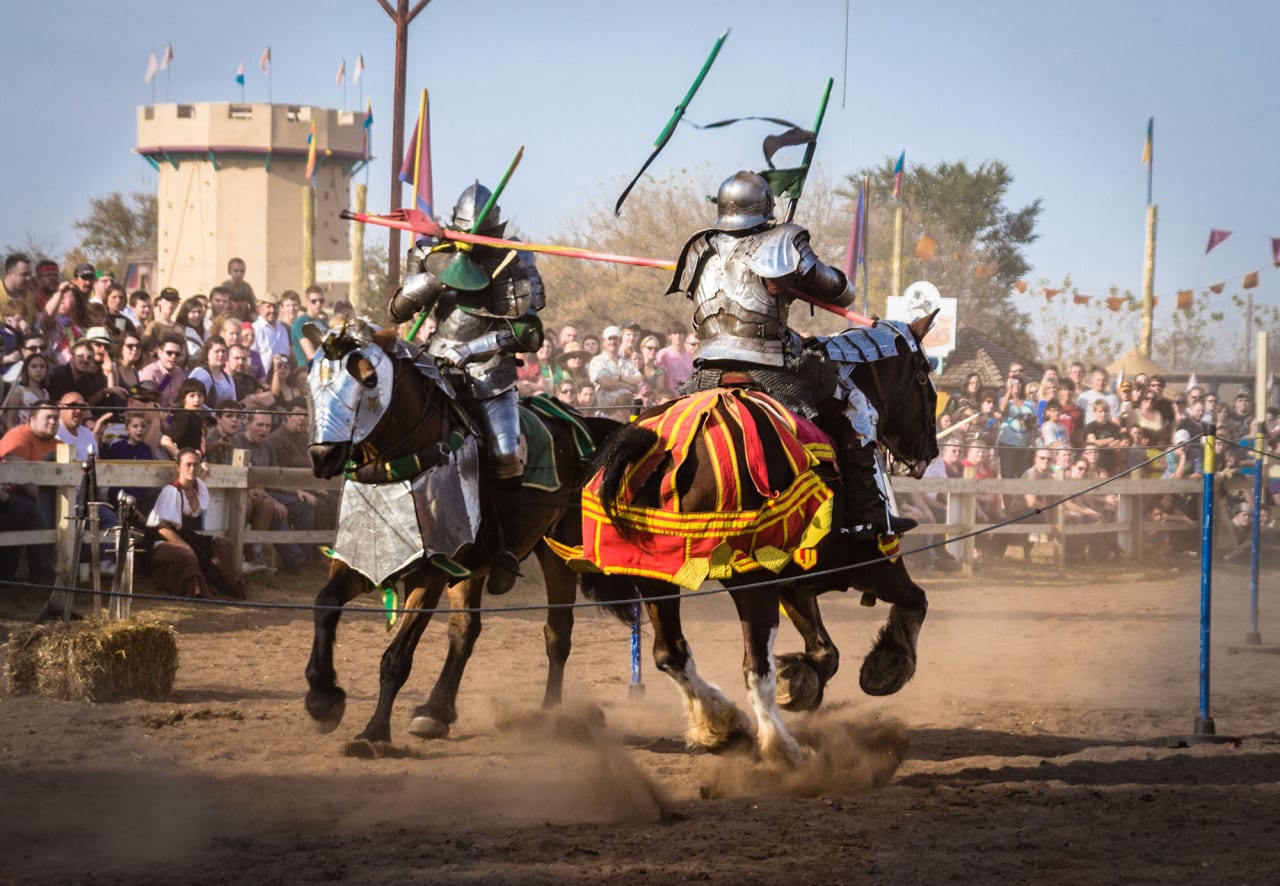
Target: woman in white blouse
[(183, 560)]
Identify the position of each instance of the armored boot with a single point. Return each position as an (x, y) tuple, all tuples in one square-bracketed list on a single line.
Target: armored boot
[(866, 514)]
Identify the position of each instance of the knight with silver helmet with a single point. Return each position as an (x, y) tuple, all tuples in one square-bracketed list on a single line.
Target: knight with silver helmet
[(739, 274), (479, 330)]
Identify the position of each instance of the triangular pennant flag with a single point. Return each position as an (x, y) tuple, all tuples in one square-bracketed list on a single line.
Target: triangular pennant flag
[(153, 65), (1155, 300), (342, 73), (1216, 237), (984, 270), (1250, 280), (240, 74), (897, 175), (311, 151), (1275, 251), (168, 57), (355, 76), (1217, 288), (1115, 302), (1050, 293), (265, 62), (1079, 299), (1021, 286), (1186, 299), (926, 246)]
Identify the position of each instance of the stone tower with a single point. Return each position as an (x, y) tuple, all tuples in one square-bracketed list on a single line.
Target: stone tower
[(231, 178)]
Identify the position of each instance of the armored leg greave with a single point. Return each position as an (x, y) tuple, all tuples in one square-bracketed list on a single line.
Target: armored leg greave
[(501, 416)]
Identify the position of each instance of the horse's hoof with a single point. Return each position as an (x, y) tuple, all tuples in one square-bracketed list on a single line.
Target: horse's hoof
[(427, 728), (800, 688), (885, 671), (326, 709), (364, 749)]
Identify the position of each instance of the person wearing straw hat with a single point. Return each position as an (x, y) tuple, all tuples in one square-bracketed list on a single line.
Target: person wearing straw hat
[(571, 364)]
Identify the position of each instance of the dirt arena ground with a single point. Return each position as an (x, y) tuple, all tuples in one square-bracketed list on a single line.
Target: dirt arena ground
[(1028, 749)]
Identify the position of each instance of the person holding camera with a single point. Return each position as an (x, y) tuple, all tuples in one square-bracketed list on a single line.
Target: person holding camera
[(1018, 426)]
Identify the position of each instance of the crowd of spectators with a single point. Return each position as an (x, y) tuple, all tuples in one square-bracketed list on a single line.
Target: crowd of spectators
[(132, 376), (1081, 426)]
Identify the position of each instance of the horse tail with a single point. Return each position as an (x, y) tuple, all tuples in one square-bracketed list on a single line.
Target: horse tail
[(619, 450), (619, 591)]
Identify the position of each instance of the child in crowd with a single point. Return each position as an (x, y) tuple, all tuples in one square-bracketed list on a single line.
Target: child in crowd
[(186, 427), (134, 447)]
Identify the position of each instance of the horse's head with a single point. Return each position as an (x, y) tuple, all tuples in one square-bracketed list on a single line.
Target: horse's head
[(351, 380), (912, 433)]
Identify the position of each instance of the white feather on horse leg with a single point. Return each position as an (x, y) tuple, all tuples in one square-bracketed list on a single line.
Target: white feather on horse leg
[(714, 720), (772, 737)]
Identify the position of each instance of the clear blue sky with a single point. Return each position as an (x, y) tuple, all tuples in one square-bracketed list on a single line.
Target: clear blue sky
[(1060, 92)]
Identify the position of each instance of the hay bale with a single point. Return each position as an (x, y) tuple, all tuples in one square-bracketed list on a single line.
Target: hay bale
[(93, 660)]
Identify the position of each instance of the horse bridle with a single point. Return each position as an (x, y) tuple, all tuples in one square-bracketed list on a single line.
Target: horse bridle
[(921, 378)]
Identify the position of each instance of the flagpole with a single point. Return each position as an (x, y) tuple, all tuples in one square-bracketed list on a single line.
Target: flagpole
[(866, 232), (344, 84), (896, 288), (1149, 253)]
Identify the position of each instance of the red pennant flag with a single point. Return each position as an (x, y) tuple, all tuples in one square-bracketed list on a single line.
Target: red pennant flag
[(1021, 286), (1250, 280), (1217, 288), (926, 246), (1079, 299), (1216, 236), (1115, 302), (1275, 251), (1186, 298)]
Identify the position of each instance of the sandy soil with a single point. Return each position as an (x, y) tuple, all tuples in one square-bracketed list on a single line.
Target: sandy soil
[(1029, 748)]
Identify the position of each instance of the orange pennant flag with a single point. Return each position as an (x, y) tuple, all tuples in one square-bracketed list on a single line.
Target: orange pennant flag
[(1217, 288), (1155, 300), (926, 246), (984, 271), (1050, 294), (1021, 286), (1250, 280), (1115, 302), (1081, 299), (1186, 298)]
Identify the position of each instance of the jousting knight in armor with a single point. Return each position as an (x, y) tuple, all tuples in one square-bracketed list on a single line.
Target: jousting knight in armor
[(478, 334), (739, 274)]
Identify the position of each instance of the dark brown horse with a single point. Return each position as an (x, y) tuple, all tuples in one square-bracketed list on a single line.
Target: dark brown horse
[(381, 406), (896, 381)]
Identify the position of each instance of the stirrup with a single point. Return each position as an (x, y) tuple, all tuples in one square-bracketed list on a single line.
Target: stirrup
[(504, 569)]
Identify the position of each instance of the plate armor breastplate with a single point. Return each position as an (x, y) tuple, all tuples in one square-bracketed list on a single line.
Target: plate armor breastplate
[(736, 317), (514, 292)]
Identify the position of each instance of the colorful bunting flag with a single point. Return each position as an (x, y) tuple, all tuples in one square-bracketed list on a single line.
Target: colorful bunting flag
[(1021, 286), (368, 123), (985, 270), (1186, 299), (897, 174), (311, 151), (264, 63), (1250, 280), (168, 57), (926, 246), (1217, 288), (1115, 302), (1050, 294), (855, 252), (1215, 238), (1146, 148), (342, 73), (355, 76), (1079, 299), (1275, 251), (153, 65), (240, 74)]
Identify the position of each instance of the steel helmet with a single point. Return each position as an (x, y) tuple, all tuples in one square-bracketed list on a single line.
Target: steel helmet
[(469, 204), (744, 201)]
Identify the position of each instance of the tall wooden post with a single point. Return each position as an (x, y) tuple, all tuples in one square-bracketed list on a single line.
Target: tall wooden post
[(1148, 283), (896, 287), (402, 15), (357, 254), (308, 235)]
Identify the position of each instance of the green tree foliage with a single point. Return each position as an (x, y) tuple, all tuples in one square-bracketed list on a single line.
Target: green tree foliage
[(1193, 339), (116, 230), (980, 241)]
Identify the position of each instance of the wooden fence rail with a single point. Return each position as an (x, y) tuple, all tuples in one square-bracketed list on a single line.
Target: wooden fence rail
[(229, 491)]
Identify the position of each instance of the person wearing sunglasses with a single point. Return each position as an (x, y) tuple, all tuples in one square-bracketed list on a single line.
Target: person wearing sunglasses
[(164, 373)]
